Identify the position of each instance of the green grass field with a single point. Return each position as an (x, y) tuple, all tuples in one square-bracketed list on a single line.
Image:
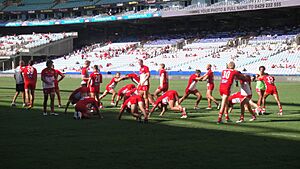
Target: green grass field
[(29, 140)]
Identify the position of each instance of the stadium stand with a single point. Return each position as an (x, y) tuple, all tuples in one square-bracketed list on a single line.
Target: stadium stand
[(12, 45), (28, 5), (75, 3)]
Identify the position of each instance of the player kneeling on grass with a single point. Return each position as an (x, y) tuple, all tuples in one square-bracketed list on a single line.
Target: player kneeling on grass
[(48, 79), (133, 104), (85, 108), (122, 92), (78, 94), (171, 98), (110, 88)]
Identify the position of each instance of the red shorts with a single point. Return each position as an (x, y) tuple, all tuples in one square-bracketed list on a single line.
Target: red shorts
[(108, 88), (143, 88), (188, 91), (49, 91), (271, 90), (30, 85), (172, 97), (95, 90), (210, 86), (236, 98), (164, 88), (224, 91), (135, 100)]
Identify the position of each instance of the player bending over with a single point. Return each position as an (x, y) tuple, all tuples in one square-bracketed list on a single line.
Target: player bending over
[(228, 76), (78, 94), (192, 88), (110, 88), (209, 76), (163, 81), (134, 104), (134, 78), (271, 89), (48, 79), (170, 97), (122, 92), (86, 107)]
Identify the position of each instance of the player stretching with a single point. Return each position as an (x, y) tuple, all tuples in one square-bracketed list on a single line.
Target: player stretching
[(122, 92), (62, 76), (170, 97), (84, 71), (133, 104), (134, 78), (110, 88), (260, 85), (228, 76), (271, 90), (94, 83), (163, 81), (244, 98), (30, 78), (84, 108), (48, 79), (78, 94), (144, 84), (191, 89), (209, 76)]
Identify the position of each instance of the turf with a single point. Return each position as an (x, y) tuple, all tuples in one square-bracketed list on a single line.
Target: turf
[(30, 140)]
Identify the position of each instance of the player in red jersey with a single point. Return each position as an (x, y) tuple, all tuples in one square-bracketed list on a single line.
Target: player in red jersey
[(94, 83), (61, 77), (244, 98), (48, 78), (85, 108), (209, 76), (123, 91), (228, 76), (163, 81), (133, 104), (84, 71), (192, 88), (78, 94), (144, 84), (30, 78), (271, 89), (170, 97), (110, 88)]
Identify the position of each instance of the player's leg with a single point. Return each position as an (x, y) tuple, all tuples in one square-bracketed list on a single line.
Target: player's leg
[(103, 95), (52, 99), (264, 102), (199, 97), (141, 107), (151, 100), (242, 116), (92, 95), (260, 97), (58, 96), (257, 108), (45, 104), (32, 94), (224, 104), (27, 97), (186, 94), (23, 98), (251, 111), (156, 93), (113, 92), (119, 97), (276, 96), (135, 111), (211, 98), (13, 103), (174, 107)]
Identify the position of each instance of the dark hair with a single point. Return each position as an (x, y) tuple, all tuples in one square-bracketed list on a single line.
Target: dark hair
[(49, 62), (30, 62), (198, 71), (262, 67), (163, 65), (96, 67)]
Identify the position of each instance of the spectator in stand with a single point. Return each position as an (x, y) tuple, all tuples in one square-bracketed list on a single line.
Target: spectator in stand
[(19, 83)]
